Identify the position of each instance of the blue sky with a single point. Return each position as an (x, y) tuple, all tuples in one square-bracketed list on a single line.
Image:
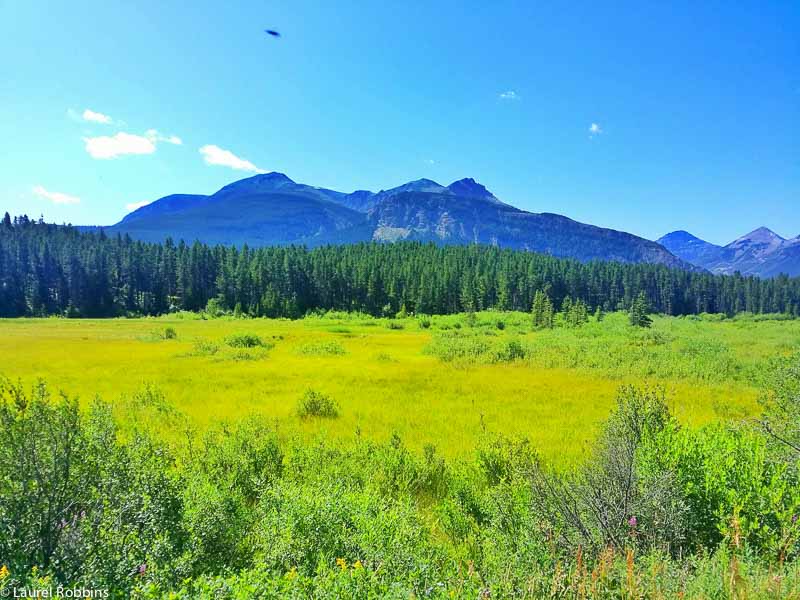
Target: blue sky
[(696, 106)]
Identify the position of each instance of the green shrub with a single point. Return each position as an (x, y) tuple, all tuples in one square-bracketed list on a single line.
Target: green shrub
[(215, 309), (170, 333), (316, 404), (509, 351), (245, 340)]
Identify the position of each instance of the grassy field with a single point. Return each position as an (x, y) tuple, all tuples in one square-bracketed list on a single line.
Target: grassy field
[(441, 381)]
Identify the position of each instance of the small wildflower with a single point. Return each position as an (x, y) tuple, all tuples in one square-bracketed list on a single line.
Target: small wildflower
[(3, 572), (358, 565), (342, 564), (794, 519), (291, 574), (632, 522), (142, 569)]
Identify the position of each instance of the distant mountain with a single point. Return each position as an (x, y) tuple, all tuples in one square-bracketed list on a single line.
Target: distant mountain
[(450, 219), (271, 209), (690, 248), (263, 210), (761, 252)]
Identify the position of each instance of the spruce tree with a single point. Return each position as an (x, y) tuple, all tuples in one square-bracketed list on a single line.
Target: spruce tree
[(638, 314), (542, 311)]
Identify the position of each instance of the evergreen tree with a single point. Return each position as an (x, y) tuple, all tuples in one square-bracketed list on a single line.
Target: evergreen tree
[(542, 311), (638, 314), (577, 314)]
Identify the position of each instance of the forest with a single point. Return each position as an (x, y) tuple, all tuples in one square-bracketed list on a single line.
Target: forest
[(50, 269)]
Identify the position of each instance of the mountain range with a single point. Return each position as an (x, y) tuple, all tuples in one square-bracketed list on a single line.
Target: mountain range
[(271, 209), (761, 252)]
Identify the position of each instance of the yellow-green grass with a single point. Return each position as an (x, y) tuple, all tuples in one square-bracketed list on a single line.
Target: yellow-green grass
[(385, 381)]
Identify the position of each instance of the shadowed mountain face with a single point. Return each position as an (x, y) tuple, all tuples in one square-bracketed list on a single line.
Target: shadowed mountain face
[(259, 211), (272, 209), (761, 252)]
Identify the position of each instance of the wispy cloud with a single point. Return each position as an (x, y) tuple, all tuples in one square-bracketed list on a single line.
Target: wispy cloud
[(155, 136), (135, 205), (214, 155), (105, 147), (430, 161), (509, 95), (96, 117), (55, 197), (594, 129)]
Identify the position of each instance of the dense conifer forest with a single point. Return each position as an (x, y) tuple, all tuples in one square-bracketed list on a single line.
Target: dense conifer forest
[(59, 270)]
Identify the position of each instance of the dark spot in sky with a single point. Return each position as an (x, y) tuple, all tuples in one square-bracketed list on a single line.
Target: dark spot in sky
[(272, 32)]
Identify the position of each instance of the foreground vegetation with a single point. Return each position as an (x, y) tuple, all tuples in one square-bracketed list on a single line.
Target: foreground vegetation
[(656, 510), (492, 454)]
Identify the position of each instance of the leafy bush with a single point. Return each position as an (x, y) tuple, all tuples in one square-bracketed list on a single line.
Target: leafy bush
[(170, 333), (611, 501), (245, 340), (509, 350), (657, 510), (316, 404)]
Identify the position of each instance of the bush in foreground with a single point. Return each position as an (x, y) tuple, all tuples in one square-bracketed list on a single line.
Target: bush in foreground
[(658, 510), (317, 404)]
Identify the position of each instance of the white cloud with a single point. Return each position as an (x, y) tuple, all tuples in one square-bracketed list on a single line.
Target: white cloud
[(104, 147), (135, 205), (509, 95), (214, 155), (96, 117), (55, 197), (594, 129), (154, 136)]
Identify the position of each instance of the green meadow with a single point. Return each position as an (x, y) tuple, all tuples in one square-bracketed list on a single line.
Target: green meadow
[(455, 456), (440, 380)]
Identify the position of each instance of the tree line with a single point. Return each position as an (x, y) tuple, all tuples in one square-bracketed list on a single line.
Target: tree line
[(50, 269)]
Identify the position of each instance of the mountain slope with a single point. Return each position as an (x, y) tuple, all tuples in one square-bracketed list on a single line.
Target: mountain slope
[(761, 252), (446, 219), (258, 211), (271, 209)]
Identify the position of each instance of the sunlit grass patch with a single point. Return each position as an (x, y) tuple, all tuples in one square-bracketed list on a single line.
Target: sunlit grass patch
[(321, 348), (385, 381)]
